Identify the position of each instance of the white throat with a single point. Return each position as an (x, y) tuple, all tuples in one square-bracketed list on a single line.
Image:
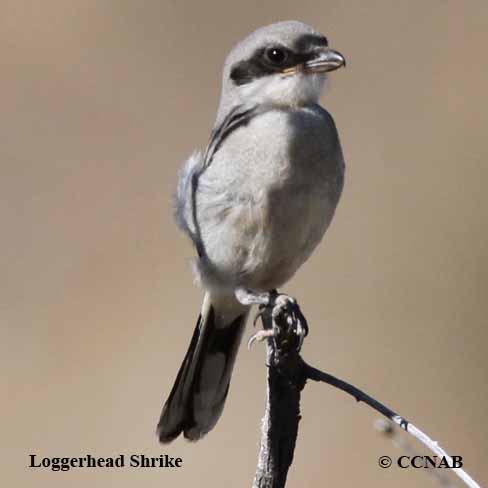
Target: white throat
[(290, 91)]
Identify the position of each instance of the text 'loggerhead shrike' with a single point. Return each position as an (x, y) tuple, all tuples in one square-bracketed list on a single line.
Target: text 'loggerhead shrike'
[(255, 203)]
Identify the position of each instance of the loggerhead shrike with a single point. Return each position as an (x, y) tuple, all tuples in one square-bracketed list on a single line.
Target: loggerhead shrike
[(255, 203)]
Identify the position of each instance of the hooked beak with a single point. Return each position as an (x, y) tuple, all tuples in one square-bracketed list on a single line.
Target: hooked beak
[(325, 61), (328, 60)]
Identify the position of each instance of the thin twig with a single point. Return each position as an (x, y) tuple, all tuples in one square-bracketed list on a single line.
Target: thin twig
[(360, 396)]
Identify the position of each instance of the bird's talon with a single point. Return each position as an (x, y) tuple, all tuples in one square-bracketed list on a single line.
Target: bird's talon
[(260, 336)]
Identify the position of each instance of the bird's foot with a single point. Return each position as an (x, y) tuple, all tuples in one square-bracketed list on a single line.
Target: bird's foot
[(289, 322), (260, 336), (282, 320)]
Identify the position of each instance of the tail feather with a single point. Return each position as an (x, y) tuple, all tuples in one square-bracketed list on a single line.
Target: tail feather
[(198, 395)]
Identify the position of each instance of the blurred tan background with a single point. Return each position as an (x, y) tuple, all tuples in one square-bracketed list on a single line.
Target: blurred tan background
[(101, 101)]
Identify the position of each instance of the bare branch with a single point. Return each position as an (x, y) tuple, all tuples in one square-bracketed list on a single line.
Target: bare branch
[(285, 327), (286, 380)]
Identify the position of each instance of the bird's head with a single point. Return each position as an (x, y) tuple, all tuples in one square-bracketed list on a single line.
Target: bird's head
[(283, 64)]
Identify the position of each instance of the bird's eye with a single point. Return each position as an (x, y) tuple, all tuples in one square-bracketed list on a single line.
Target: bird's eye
[(276, 55)]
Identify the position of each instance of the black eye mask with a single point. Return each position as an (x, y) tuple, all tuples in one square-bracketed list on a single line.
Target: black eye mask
[(262, 62)]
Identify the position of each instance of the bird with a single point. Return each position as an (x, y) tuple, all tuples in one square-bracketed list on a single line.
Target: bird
[(255, 203)]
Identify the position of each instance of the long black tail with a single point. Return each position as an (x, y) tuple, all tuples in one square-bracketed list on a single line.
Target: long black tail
[(198, 395)]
